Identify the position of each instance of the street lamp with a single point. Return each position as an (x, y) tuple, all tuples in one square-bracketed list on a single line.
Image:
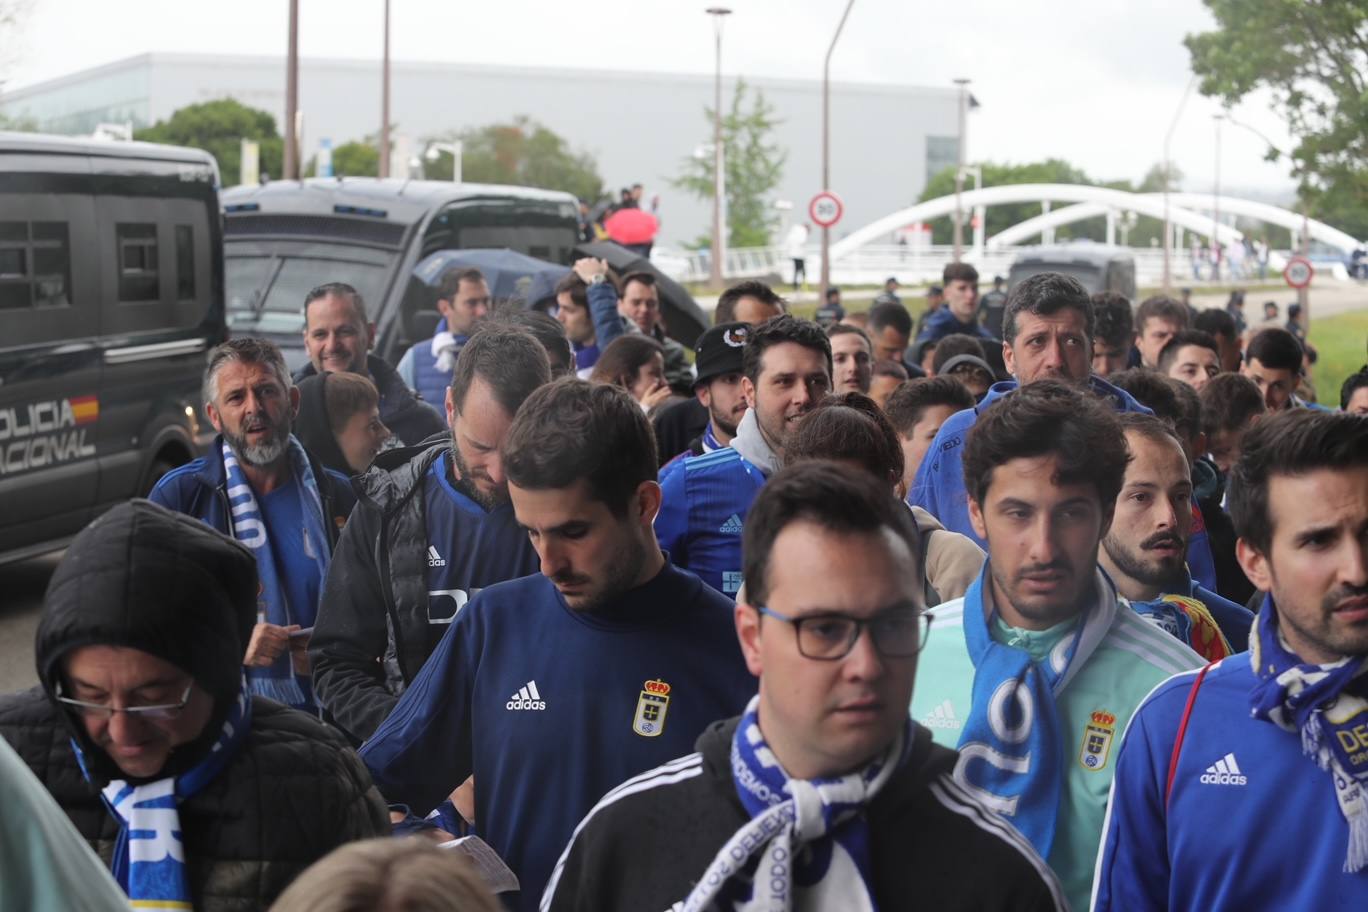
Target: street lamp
[(385, 103), (959, 168), (719, 241), (826, 149), (454, 149), (291, 163), (1216, 208)]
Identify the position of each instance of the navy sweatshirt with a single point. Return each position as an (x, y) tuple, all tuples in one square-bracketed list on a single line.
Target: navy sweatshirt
[(550, 708)]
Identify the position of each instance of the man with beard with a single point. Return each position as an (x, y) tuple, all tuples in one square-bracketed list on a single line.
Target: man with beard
[(1145, 550), (1036, 671), (717, 361), (259, 485), (554, 688), (432, 527), (1242, 786), (786, 370)]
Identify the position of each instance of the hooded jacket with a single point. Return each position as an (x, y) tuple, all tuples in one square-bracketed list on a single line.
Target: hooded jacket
[(145, 578), (932, 845), (939, 485), (313, 427), (410, 418)]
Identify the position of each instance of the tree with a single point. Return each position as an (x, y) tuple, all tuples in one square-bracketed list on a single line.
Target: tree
[(1313, 57), (753, 165), (1050, 171), (523, 153), (218, 127), (352, 159)]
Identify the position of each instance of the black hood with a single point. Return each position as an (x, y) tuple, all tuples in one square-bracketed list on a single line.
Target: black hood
[(313, 428), (144, 577)]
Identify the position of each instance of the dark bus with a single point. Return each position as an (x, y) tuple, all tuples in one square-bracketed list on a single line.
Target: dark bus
[(111, 291), (1097, 267), (285, 237)]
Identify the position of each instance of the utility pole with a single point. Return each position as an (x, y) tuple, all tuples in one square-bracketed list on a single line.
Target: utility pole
[(291, 163), (826, 150), (1218, 251), (1168, 176), (385, 103), (719, 238), (959, 166)]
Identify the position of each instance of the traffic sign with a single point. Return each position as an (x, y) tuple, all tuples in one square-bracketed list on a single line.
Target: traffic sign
[(1298, 272), (826, 209)]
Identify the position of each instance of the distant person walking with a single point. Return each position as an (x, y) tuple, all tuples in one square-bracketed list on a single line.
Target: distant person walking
[(795, 245)]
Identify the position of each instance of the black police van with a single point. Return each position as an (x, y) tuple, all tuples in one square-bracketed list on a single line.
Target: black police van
[(111, 292), (285, 237)]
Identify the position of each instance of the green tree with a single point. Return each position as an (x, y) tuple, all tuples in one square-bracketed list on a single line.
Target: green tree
[(754, 165), (523, 153), (1050, 171), (356, 159), (1313, 57), (218, 127)]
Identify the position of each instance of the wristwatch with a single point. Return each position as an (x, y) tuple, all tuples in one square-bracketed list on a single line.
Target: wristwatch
[(597, 278)]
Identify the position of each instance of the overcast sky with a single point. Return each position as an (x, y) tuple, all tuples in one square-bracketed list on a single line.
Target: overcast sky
[(1096, 82)]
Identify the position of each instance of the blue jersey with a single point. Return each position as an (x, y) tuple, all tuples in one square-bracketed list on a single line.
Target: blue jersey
[(550, 708), (1251, 823), (468, 547), (939, 485), (704, 502)]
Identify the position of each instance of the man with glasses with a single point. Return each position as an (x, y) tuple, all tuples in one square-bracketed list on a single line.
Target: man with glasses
[(196, 793), (823, 794), (1034, 674)]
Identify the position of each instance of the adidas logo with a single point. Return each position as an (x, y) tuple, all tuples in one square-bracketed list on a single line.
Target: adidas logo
[(526, 698), (943, 716), (1224, 772), (732, 526), (435, 559)]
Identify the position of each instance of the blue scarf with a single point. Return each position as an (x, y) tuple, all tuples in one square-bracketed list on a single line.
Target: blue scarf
[(149, 855), (710, 442), (1324, 703), (1010, 745), (277, 681), (808, 832)]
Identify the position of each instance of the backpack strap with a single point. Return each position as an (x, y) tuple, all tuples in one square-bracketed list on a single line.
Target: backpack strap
[(1182, 731)]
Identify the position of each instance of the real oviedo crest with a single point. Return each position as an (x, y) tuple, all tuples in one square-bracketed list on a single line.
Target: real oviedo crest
[(652, 705), (1097, 739)]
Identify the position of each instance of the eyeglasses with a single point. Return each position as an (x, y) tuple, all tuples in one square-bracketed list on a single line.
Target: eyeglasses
[(160, 713), (897, 632)]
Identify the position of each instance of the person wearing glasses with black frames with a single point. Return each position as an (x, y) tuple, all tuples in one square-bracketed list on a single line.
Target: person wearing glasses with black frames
[(824, 794)]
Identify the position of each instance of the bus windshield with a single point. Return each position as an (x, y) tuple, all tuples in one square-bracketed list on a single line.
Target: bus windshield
[(266, 291)]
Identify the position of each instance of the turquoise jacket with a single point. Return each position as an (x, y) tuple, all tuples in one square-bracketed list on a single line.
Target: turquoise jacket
[(1095, 705)]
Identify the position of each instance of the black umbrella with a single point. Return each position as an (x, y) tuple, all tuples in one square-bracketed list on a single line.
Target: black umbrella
[(511, 275), (685, 321)]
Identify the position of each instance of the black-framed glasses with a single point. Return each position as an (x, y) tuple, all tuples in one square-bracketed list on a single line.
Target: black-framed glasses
[(897, 633), (163, 712)]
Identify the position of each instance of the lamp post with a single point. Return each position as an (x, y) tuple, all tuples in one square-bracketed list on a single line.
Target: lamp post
[(385, 103), (719, 240), (826, 149), (959, 167), (1216, 250), (454, 149), (291, 163), (1168, 174)]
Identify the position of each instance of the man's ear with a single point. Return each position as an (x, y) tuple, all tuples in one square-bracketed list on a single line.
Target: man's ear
[(294, 402), (1008, 358), (647, 500), (370, 336), (1255, 565), (214, 417), (748, 635), (450, 410), (976, 519), (748, 392)]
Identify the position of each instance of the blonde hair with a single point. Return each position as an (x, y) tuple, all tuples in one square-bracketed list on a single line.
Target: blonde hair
[(388, 875)]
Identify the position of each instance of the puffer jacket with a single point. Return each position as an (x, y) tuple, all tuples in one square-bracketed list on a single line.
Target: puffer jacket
[(293, 793)]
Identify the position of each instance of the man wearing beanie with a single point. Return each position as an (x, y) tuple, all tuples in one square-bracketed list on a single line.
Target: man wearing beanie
[(192, 791), (717, 388)]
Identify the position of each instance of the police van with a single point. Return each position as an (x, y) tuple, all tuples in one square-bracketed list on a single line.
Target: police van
[(111, 292), (285, 237)]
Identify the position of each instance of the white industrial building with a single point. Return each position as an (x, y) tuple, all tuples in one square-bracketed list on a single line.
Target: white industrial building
[(886, 140)]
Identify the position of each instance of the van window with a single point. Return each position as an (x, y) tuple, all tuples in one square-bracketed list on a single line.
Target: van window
[(137, 246), (185, 262), (35, 265)]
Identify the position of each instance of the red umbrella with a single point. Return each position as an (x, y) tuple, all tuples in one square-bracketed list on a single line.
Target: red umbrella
[(632, 226)]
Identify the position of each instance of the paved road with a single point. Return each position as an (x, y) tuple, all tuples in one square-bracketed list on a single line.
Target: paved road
[(21, 597)]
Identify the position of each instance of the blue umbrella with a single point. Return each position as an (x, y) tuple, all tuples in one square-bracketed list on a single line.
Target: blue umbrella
[(511, 275)]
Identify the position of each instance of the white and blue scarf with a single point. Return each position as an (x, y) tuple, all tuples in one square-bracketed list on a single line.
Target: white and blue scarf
[(1010, 746), (809, 833), (149, 855), (277, 681), (1323, 703), (710, 442)]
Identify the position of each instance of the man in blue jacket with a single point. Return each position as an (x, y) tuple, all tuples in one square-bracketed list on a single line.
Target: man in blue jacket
[(463, 302), (1245, 786), (960, 312), (259, 485), (785, 371), (1046, 328), (554, 688)]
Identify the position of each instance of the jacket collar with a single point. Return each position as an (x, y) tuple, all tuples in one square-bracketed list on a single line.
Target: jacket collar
[(751, 444)]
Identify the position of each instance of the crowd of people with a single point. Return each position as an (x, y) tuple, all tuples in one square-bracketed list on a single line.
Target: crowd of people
[(1041, 601)]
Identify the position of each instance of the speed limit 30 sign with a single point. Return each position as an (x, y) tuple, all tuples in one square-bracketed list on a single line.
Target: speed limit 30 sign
[(826, 209), (1298, 272)]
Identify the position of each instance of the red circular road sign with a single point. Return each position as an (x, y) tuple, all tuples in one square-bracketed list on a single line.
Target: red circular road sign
[(826, 209), (1298, 272)]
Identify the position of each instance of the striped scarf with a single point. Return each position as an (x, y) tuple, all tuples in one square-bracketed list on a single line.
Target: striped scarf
[(810, 833)]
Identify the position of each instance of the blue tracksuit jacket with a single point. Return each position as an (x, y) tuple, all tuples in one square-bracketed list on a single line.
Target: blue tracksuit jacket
[(939, 486), (704, 502), (943, 323)]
